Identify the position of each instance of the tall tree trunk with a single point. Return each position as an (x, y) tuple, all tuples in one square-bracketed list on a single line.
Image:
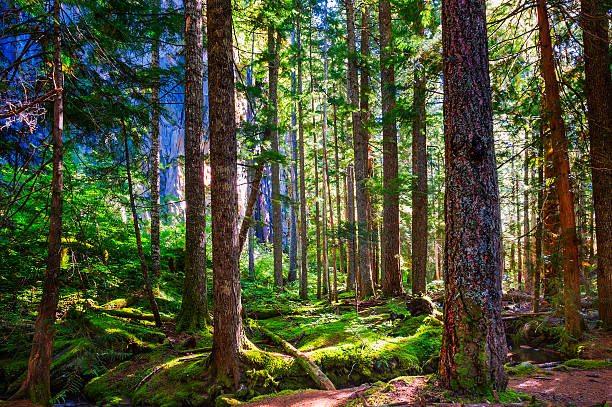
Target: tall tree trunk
[(473, 340), (360, 146), (155, 199), (303, 213), (228, 335), (550, 217), (37, 384), (293, 234), (599, 115), (351, 244), (340, 242), (141, 256), (540, 226), (571, 274), (192, 316), (277, 222), (391, 276), (517, 229), (419, 172), (528, 274)]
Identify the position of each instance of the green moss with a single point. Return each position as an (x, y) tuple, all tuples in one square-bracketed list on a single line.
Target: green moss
[(587, 364), (522, 369)]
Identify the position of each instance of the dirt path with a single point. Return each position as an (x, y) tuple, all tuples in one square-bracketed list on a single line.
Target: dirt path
[(313, 398), (581, 388)]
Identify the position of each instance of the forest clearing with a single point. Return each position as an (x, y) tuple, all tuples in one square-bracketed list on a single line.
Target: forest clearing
[(354, 203)]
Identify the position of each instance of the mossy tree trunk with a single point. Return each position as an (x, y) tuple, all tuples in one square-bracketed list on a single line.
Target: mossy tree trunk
[(37, 384), (303, 213), (155, 199), (473, 341), (192, 316), (228, 334), (599, 101)]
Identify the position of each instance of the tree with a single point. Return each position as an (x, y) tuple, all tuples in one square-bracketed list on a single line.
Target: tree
[(141, 256), (303, 214), (193, 316), (360, 146), (277, 222), (599, 101), (37, 384), (228, 334), (569, 242), (419, 172), (391, 276), (155, 115), (473, 341)]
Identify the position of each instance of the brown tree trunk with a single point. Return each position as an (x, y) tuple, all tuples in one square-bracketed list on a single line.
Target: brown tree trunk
[(141, 256), (571, 274), (599, 102), (277, 222), (228, 335), (391, 278), (155, 200), (340, 247), (419, 171), (37, 384), (360, 146), (517, 230), (353, 97), (192, 316), (473, 341)]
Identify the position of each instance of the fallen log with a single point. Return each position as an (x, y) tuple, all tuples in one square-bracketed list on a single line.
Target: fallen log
[(304, 361), (128, 314)]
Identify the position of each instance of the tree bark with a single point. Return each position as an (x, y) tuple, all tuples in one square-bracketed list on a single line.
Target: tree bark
[(419, 172), (391, 278), (528, 267), (141, 256), (228, 334), (473, 341), (571, 273), (539, 228), (155, 198), (37, 384), (351, 247), (192, 316), (360, 146), (599, 101)]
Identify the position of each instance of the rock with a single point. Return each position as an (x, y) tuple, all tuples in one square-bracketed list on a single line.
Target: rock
[(419, 305)]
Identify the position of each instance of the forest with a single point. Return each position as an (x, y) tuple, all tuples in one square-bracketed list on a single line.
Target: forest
[(305, 203)]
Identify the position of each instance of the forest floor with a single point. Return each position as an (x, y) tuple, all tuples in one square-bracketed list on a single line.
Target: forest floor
[(108, 352)]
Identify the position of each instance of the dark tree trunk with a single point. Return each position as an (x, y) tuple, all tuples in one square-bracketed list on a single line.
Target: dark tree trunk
[(37, 384), (340, 241), (473, 341), (599, 102), (141, 256), (391, 276), (277, 222), (293, 238), (155, 201), (571, 273), (419, 172), (303, 213), (517, 229), (360, 146), (193, 314), (228, 335), (528, 267)]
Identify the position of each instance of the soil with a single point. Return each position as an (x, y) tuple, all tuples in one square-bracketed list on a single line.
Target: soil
[(581, 388), (313, 398)]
